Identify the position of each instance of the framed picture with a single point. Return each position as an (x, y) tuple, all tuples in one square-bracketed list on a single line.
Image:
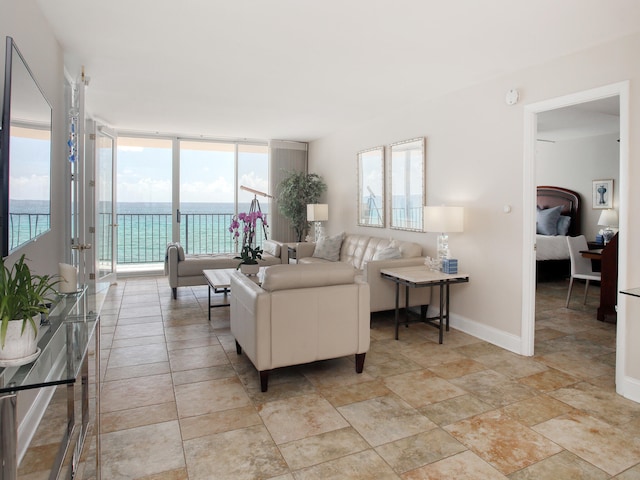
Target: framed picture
[(371, 187), (603, 194)]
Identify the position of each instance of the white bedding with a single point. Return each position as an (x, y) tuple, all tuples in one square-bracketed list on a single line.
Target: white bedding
[(551, 247)]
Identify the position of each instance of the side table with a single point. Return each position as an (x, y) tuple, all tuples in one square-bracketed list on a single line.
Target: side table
[(421, 276), (291, 254)]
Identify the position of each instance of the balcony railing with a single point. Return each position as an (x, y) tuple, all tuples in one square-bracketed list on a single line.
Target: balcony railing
[(26, 226), (143, 237)]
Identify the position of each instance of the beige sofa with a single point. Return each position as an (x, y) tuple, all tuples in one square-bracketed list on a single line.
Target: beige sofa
[(300, 314), (368, 255), (186, 270)]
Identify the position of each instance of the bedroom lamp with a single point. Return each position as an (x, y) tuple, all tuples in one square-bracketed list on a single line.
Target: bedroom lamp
[(608, 218), (443, 220), (318, 213)]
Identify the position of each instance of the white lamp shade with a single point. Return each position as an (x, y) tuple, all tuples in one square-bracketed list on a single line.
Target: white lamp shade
[(317, 212), (608, 218), (444, 219)]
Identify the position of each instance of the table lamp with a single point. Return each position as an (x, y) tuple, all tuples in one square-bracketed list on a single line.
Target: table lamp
[(444, 220), (608, 218), (318, 213)]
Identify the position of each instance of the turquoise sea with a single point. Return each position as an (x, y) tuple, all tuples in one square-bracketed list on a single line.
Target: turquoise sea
[(144, 229)]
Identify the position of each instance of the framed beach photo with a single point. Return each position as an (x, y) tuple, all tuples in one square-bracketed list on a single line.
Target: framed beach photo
[(602, 194)]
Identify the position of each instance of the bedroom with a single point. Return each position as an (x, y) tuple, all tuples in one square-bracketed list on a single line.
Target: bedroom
[(575, 146)]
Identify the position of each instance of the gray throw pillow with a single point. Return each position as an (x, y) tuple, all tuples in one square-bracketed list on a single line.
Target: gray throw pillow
[(563, 225), (387, 253), (547, 223), (329, 248)]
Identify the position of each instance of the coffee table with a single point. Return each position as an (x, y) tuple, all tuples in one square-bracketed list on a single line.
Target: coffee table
[(219, 280)]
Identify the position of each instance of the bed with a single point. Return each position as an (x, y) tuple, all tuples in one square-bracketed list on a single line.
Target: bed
[(558, 216)]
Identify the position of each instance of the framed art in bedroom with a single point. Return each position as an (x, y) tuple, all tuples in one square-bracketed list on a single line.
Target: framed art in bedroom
[(602, 194)]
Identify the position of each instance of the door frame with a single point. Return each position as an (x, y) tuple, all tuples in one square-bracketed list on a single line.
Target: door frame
[(111, 277), (531, 112)]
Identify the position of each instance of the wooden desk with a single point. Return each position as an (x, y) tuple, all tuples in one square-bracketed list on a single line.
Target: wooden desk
[(608, 257)]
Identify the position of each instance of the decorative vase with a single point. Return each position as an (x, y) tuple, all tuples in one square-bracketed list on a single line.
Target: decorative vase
[(19, 345), (250, 269)]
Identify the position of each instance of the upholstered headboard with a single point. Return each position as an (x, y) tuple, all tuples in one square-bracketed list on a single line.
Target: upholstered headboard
[(549, 197)]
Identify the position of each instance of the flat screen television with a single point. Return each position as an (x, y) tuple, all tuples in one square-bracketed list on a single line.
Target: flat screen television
[(25, 155)]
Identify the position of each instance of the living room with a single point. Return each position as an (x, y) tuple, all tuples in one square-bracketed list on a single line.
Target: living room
[(476, 146)]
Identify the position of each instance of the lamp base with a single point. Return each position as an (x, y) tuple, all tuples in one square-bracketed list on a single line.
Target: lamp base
[(443, 248), (607, 235), (318, 231)]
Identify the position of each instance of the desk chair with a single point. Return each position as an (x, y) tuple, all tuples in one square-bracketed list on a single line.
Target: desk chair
[(580, 267)]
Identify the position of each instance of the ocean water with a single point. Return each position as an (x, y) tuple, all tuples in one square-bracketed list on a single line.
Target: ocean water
[(144, 229)]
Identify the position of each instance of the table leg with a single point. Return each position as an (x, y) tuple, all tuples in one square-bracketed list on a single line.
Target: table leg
[(209, 312), (397, 307), (447, 310), (441, 315), (406, 306)]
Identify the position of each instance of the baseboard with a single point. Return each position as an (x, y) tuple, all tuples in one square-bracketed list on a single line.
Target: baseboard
[(502, 339), (629, 388)]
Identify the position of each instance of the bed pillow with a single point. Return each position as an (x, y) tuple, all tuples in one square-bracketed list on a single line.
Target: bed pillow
[(563, 225), (329, 247), (547, 222)]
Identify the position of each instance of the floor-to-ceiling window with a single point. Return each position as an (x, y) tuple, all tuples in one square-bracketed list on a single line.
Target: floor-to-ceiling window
[(202, 194)]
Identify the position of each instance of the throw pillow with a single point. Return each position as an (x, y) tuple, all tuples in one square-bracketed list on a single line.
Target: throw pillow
[(387, 253), (547, 223), (329, 248), (271, 248), (563, 225)]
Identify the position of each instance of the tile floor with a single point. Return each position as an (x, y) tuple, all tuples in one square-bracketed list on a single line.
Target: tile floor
[(179, 403)]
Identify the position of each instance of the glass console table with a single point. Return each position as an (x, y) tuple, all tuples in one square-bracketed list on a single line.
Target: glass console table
[(67, 338)]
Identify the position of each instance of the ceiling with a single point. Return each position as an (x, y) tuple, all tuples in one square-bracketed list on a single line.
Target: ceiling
[(299, 70)]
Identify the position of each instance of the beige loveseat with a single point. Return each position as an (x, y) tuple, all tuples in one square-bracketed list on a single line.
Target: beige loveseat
[(368, 255), (300, 314), (186, 270)]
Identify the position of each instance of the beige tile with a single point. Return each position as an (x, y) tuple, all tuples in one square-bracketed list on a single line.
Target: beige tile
[(187, 332), (137, 417), (322, 448), (202, 374), (139, 311), (455, 409), (358, 466), (457, 369), (565, 465), (138, 330), (335, 372), (197, 357), (244, 454), (536, 410), (548, 380), (177, 474), (422, 387), (358, 392), (385, 419), (463, 466), (136, 392), (419, 450), (223, 421), (299, 417), (503, 442), (631, 474), (200, 398), (593, 440), (142, 451), (144, 370), (138, 355)]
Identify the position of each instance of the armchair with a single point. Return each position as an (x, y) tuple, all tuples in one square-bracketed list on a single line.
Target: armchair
[(300, 314)]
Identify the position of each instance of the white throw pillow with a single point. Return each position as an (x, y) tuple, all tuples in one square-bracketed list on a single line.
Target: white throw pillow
[(387, 253), (271, 248), (329, 247)]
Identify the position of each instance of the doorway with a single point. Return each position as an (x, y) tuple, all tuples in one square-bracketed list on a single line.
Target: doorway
[(532, 113)]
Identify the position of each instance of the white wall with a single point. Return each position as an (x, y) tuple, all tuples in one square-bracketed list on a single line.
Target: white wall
[(574, 164), (475, 145), (23, 21)]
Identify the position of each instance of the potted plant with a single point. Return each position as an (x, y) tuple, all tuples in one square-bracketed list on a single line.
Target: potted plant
[(294, 193), (249, 257), (23, 297)]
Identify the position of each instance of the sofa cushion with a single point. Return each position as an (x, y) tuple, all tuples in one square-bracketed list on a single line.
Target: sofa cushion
[(272, 248), (329, 247), (288, 277)]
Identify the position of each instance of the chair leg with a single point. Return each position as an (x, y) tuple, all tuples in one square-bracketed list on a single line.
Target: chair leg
[(586, 287), (175, 293), (569, 293), (264, 380), (360, 362)]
